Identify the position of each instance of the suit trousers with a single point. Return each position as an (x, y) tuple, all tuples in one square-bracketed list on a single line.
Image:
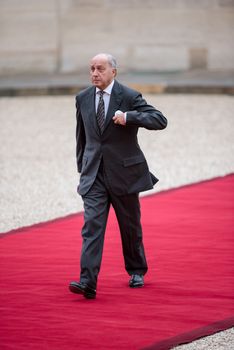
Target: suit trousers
[(96, 209)]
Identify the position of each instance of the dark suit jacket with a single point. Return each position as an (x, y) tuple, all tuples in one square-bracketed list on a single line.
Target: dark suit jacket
[(124, 162)]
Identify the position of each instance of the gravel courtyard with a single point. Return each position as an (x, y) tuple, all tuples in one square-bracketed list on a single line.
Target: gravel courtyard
[(38, 177), (38, 167)]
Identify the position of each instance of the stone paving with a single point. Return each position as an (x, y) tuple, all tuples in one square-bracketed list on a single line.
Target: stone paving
[(38, 176)]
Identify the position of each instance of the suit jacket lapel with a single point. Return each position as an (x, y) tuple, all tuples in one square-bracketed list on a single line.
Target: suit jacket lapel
[(90, 109), (115, 100)]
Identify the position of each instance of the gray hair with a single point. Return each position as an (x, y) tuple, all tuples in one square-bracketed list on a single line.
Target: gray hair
[(110, 59)]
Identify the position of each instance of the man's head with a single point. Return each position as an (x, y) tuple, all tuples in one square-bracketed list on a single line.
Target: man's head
[(102, 70)]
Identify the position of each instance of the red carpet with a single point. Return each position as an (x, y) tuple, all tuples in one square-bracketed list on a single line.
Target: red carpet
[(188, 234)]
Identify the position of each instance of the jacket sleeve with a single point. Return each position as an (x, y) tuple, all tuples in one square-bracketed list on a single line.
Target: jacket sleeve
[(80, 137), (144, 115)]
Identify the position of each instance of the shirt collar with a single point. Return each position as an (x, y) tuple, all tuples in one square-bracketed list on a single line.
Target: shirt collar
[(108, 89)]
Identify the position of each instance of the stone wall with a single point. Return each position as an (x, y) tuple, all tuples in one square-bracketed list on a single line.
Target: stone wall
[(60, 36)]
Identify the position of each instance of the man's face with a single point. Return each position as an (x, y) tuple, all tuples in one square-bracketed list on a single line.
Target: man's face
[(101, 72)]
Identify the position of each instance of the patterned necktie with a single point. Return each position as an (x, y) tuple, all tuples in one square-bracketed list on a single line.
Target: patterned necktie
[(101, 112)]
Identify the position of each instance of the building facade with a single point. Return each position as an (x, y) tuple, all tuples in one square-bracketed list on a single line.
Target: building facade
[(60, 36)]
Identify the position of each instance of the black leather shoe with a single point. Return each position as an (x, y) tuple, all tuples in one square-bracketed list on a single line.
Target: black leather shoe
[(82, 288), (136, 281)]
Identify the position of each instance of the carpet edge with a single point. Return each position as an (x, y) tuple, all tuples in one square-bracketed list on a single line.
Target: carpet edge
[(39, 224), (188, 337)]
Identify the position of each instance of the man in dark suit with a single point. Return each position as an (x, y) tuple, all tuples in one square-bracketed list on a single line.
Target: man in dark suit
[(113, 170)]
